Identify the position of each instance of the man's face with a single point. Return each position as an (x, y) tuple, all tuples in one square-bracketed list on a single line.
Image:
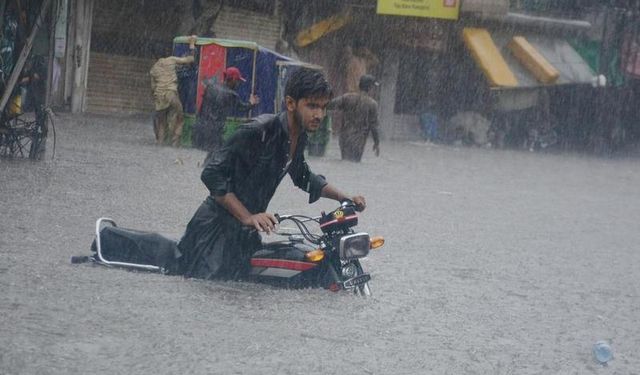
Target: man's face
[(308, 112), (233, 83)]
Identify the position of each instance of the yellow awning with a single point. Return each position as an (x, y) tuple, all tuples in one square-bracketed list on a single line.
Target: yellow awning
[(322, 28), (488, 57), (533, 60), (526, 61)]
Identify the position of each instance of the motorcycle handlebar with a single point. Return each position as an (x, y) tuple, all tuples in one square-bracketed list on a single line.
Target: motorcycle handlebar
[(348, 203), (343, 204), (302, 219)]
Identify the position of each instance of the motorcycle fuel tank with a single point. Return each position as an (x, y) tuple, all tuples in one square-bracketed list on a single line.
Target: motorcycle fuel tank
[(281, 259)]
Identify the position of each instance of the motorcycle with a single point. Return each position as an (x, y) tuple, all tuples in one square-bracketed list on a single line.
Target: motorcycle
[(329, 259)]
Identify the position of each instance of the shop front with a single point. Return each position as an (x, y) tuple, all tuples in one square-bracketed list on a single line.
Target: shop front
[(528, 79)]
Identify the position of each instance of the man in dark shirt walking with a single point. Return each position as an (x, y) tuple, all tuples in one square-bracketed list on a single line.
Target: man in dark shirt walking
[(360, 118), (242, 177), (218, 103)]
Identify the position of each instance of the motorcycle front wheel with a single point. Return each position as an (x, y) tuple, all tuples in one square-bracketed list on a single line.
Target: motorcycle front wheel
[(364, 289)]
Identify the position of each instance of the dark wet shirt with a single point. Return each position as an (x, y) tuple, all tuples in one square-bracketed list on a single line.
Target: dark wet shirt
[(360, 117), (251, 165), (254, 161), (220, 102)]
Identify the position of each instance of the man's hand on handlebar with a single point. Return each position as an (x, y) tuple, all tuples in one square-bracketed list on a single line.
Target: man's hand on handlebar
[(359, 202), (263, 222)]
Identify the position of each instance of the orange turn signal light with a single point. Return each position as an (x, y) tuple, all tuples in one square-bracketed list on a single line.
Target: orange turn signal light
[(376, 242), (315, 255)]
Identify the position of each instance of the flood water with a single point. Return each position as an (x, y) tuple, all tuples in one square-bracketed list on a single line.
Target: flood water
[(496, 262)]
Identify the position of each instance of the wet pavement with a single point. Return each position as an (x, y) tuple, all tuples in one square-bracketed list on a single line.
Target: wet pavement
[(496, 262)]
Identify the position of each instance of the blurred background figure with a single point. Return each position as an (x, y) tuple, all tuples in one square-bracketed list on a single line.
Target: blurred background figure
[(169, 117), (360, 117), (218, 103), (359, 62)]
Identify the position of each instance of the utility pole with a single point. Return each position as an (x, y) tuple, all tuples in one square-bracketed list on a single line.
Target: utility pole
[(82, 46)]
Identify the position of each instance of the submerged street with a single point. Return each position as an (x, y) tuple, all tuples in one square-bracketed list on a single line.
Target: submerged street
[(495, 262)]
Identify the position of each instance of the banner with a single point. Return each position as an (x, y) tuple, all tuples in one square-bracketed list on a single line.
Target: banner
[(447, 9)]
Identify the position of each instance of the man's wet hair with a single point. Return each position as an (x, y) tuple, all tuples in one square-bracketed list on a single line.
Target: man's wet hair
[(308, 83)]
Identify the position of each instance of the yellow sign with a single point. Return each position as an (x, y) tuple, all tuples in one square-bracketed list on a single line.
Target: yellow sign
[(447, 9), (338, 215)]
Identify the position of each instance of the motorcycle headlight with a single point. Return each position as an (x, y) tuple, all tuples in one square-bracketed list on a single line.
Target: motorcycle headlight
[(354, 246)]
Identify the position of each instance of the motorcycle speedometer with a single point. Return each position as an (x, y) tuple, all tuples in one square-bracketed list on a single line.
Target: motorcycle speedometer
[(338, 220), (354, 246)]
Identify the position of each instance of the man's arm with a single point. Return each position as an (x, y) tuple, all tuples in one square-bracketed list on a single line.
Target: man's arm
[(318, 187), (331, 192), (373, 125), (336, 103), (263, 222), (184, 60), (240, 105), (192, 52)]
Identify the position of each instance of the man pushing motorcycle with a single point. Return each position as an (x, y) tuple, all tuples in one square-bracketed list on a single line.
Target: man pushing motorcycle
[(243, 175)]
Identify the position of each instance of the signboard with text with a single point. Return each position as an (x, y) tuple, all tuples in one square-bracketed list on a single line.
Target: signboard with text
[(447, 9)]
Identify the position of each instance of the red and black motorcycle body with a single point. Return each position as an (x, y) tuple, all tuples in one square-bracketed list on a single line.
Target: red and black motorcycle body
[(287, 262)]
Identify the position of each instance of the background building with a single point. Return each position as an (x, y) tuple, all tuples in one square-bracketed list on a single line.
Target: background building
[(99, 52)]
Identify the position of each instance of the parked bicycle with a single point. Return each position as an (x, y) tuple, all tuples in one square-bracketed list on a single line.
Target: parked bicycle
[(25, 121), (24, 135)]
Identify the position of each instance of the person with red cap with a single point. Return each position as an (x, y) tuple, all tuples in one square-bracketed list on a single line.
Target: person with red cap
[(218, 103)]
